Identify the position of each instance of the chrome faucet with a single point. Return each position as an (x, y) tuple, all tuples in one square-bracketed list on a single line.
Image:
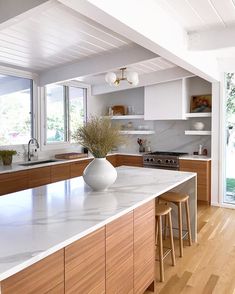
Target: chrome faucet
[(34, 141)]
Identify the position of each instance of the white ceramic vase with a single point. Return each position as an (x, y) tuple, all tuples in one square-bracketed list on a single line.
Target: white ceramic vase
[(99, 174)]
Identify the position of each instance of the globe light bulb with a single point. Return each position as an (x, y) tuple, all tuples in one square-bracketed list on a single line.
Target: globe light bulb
[(110, 77), (132, 77)]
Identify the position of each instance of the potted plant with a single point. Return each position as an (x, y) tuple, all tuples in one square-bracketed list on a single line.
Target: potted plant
[(6, 156), (99, 136)]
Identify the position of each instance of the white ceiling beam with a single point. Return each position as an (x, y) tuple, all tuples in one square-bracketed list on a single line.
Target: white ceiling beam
[(98, 64), (212, 39), (151, 27), (12, 11), (148, 79)]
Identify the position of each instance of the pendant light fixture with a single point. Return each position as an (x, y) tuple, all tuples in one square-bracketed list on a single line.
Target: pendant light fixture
[(130, 76)]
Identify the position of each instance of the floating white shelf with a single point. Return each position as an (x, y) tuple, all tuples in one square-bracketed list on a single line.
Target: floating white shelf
[(198, 114), (134, 116), (137, 132), (200, 133)]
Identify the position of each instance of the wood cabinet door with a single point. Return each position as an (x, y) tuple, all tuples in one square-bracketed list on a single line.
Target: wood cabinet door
[(130, 160), (39, 176), (202, 168), (85, 265), (60, 172), (112, 159), (119, 255), (144, 246), (77, 168), (45, 276), (13, 182)]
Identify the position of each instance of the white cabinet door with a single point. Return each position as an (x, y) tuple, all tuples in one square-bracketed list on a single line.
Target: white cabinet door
[(165, 101)]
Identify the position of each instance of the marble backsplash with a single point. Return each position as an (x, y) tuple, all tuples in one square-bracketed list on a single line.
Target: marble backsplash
[(170, 136)]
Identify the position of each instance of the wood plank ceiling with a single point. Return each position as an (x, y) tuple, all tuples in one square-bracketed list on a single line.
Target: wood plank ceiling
[(200, 15), (144, 67), (55, 36)]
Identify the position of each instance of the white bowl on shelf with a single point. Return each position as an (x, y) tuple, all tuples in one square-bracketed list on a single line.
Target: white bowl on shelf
[(198, 126)]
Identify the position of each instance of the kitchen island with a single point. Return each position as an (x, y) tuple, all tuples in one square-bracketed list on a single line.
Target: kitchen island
[(65, 238)]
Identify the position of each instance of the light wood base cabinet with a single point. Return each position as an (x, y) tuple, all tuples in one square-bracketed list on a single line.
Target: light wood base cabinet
[(203, 170), (85, 264), (144, 246), (117, 258), (119, 255), (43, 277), (130, 160)]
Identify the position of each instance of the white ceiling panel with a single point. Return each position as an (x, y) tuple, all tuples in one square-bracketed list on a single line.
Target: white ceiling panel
[(198, 15), (144, 67), (55, 36)]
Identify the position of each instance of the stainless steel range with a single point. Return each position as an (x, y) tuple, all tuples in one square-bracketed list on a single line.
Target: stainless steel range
[(162, 160)]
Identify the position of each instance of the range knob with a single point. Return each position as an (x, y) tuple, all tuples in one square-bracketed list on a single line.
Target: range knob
[(167, 161), (147, 159), (172, 161), (159, 161), (151, 159)]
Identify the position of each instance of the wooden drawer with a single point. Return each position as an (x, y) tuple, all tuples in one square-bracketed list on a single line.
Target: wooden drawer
[(85, 264), (119, 255), (13, 182), (39, 176), (144, 245), (130, 160), (77, 168), (60, 172), (45, 276)]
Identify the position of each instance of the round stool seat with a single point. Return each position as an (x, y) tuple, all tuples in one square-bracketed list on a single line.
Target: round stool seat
[(162, 209), (174, 197)]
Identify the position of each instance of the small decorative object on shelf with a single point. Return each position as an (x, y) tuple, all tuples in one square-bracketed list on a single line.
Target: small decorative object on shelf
[(6, 156), (99, 136), (141, 143), (198, 125)]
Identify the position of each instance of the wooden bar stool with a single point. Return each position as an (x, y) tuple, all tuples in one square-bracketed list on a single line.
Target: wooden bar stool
[(178, 199), (163, 210)]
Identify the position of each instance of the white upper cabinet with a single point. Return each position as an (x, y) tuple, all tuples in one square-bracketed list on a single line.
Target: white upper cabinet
[(166, 101)]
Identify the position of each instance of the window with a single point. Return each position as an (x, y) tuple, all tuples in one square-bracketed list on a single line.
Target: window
[(15, 110), (65, 112)]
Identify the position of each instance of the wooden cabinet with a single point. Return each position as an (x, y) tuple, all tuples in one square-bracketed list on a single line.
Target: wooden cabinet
[(203, 170), (13, 182), (119, 255), (112, 159), (39, 176), (45, 276), (144, 246), (77, 168), (85, 264), (60, 172), (165, 101), (130, 160)]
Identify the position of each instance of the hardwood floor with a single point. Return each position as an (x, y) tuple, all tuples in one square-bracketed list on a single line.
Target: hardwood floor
[(208, 266)]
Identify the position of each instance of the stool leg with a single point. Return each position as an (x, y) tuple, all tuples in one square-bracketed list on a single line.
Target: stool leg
[(165, 227), (160, 249), (180, 228), (171, 239), (188, 222)]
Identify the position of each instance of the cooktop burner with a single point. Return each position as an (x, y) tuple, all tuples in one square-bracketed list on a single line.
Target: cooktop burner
[(167, 153)]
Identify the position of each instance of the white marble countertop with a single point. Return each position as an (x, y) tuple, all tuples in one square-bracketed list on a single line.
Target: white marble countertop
[(37, 222), (195, 157)]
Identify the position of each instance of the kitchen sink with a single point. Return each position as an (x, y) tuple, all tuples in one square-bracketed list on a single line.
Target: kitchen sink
[(30, 163)]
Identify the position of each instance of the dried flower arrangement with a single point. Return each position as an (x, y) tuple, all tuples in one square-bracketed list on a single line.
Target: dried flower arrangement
[(99, 136)]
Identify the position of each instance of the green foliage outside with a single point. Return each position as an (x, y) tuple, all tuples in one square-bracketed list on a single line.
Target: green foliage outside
[(230, 102), (230, 185)]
